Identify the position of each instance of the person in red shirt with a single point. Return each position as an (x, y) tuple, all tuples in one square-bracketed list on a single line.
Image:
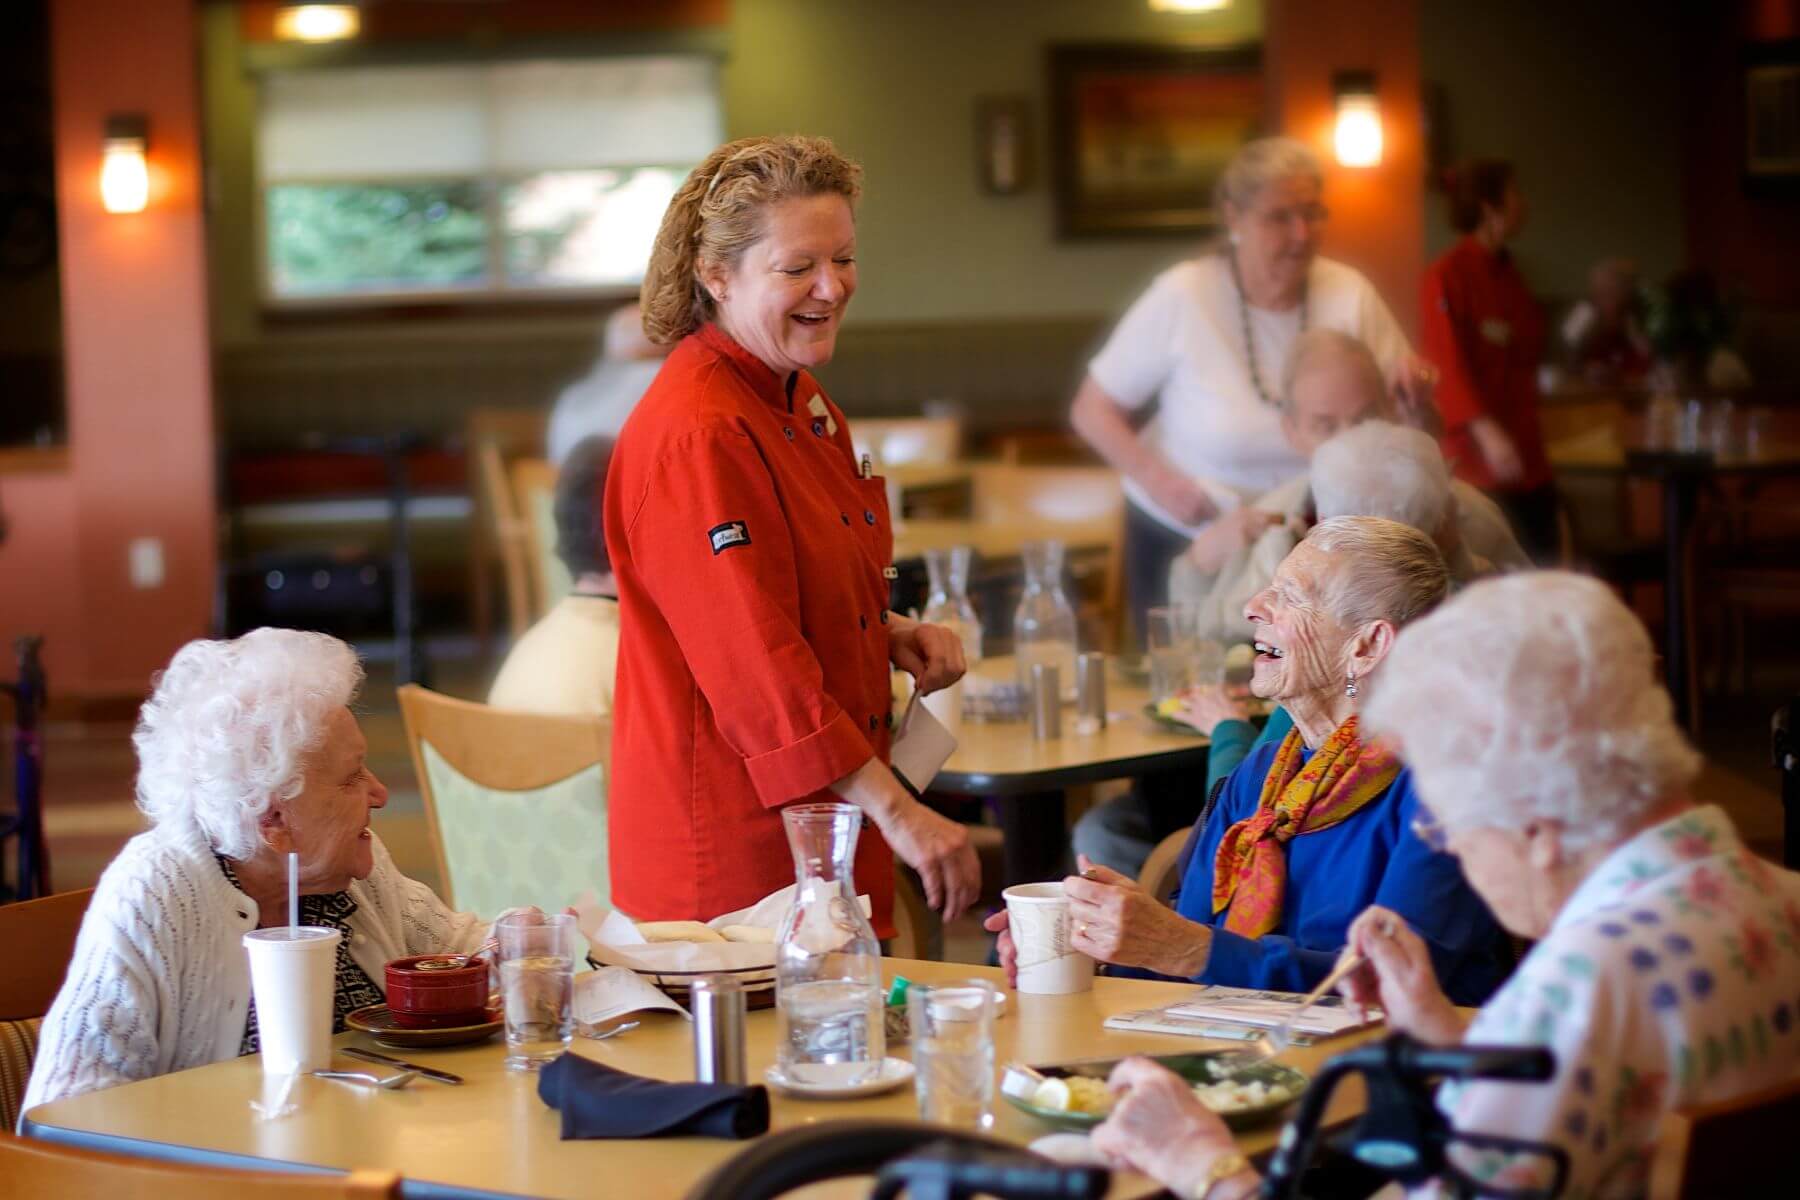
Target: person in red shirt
[(1485, 333), (752, 559)]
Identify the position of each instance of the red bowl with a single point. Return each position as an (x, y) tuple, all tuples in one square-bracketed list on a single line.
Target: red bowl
[(425, 995)]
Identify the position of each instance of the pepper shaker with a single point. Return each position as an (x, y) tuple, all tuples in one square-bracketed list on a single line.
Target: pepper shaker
[(1090, 692), (718, 1004), (1046, 701)]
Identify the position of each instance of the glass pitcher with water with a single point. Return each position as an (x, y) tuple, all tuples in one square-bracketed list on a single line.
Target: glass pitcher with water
[(1044, 624), (949, 606), (827, 961)]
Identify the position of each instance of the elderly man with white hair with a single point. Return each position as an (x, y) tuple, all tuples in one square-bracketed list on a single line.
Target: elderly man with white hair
[(1666, 972), (247, 750), (597, 404)]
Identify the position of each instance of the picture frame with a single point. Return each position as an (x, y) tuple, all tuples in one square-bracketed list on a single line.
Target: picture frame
[(1140, 132), (1772, 115)]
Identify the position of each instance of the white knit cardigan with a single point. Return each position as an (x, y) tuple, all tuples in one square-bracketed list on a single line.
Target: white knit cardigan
[(160, 980)]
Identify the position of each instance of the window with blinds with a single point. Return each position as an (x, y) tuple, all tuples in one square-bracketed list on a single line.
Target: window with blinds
[(498, 178)]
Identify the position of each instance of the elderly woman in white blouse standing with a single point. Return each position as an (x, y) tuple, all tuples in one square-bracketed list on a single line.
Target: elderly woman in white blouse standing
[(247, 750), (1208, 343), (1666, 972)]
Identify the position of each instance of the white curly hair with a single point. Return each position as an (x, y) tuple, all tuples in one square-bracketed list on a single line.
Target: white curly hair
[(228, 728), (1533, 697), (1378, 469)]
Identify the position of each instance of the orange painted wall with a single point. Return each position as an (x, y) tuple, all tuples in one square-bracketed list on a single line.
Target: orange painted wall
[(139, 378), (1377, 213)]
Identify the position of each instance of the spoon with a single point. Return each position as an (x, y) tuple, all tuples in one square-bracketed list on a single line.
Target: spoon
[(1276, 1040), (593, 1032), (455, 962), (386, 1083)]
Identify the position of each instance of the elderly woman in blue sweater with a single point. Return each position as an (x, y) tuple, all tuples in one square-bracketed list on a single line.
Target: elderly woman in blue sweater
[(1310, 830)]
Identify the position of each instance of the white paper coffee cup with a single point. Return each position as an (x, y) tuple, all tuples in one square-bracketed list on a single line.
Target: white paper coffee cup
[(293, 975), (946, 704), (1038, 915)]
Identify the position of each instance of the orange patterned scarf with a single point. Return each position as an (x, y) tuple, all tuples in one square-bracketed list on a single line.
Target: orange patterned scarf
[(1250, 872)]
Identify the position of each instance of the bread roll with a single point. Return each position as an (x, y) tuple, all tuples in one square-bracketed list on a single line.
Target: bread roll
[(678, 931), (749, 933)]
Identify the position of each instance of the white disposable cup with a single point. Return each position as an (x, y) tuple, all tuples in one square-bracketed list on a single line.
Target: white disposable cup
[(1038, 915), (946, 704), (293, 975)]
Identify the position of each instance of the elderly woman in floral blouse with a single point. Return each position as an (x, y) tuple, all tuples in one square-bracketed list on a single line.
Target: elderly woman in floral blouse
[(247, 750), (1667, 966)]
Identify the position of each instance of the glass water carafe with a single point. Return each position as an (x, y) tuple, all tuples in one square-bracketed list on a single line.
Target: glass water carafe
[(1044, 625), (949, 604), (827, 961)]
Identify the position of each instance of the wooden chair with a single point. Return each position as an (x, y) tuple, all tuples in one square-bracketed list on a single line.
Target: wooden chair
[(39, 936), (1727, 1149), (895, 441), (1162, 870), (31, 1169), (493, 438), (515, 801), (912, 920), (533, 482)]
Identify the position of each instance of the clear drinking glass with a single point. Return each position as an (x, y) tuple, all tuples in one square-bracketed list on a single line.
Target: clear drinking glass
[(828, 996), (1168, 631), (537, 985), (1206, 662), (953, 1052), (1044, 623)]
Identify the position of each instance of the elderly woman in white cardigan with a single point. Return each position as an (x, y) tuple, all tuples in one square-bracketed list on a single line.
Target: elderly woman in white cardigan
[(247, 750)]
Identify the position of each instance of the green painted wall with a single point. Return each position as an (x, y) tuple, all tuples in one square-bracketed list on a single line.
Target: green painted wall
[(895, 85)]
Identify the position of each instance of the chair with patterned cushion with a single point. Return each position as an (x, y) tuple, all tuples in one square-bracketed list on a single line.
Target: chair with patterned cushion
[(30, 1169), (39, 936), (516, 802)]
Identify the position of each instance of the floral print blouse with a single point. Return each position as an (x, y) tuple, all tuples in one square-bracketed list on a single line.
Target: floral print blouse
[(1670, 978)]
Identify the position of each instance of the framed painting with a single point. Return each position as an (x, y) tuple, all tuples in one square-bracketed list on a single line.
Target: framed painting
[(1772, 115), (1140, 133)]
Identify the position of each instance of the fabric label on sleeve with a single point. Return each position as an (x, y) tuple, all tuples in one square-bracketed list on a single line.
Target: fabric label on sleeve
[(731, 533)]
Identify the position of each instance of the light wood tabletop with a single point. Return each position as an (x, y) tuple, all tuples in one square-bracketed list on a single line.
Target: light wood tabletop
[(1000, 758), (493, 1136), (1609, 448), (997, 538)]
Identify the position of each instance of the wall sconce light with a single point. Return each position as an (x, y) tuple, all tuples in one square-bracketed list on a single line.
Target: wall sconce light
[(124, 175), (1188, 6), (1357, 138), (317, 22)]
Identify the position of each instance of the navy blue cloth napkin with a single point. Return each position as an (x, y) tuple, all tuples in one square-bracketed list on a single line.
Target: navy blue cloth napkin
[(598, 1102)]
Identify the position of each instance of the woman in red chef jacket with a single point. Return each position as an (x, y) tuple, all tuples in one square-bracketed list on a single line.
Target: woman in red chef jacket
[(752, 558), (1484, 331)]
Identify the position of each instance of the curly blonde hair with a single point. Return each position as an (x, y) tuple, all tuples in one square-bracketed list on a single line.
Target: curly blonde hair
[(720, 212)]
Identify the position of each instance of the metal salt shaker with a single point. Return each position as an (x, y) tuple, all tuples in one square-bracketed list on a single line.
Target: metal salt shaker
[(1090, 692), (1046, 701), (718, 1004)]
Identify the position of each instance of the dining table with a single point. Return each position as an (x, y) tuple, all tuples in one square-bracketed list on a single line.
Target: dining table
[(1623, 449), (1027, 778), (491, 1136)]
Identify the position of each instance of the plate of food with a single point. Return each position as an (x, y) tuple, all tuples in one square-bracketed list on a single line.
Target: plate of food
[(1074, 1095)]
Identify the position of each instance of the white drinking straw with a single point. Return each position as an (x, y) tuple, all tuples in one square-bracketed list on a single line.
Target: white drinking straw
[(293, 891)]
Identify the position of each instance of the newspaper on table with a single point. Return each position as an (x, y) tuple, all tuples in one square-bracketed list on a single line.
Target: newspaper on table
[(1242, 1013)]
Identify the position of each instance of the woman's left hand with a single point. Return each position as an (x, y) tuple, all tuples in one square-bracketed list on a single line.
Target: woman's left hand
[(1414, 386), (1160, 1127), (931, 654), (1116, 921)]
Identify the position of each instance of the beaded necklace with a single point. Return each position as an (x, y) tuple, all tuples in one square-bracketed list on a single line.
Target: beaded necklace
[(1249, 341)]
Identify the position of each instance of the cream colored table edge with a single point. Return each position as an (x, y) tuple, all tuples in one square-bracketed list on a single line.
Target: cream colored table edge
[(492, 1136)]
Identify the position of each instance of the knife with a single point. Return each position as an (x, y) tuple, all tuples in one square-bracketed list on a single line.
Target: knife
[(427, 1072)]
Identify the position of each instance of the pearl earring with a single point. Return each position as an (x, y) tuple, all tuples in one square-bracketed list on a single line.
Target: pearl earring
[(1350, 685)]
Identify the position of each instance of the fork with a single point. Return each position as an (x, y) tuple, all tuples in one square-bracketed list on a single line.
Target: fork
[(387, 1083), (1276, 1040), (593, 1032)]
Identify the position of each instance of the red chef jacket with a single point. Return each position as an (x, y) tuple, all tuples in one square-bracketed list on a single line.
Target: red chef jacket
[(753, 668), (1485, 334)]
